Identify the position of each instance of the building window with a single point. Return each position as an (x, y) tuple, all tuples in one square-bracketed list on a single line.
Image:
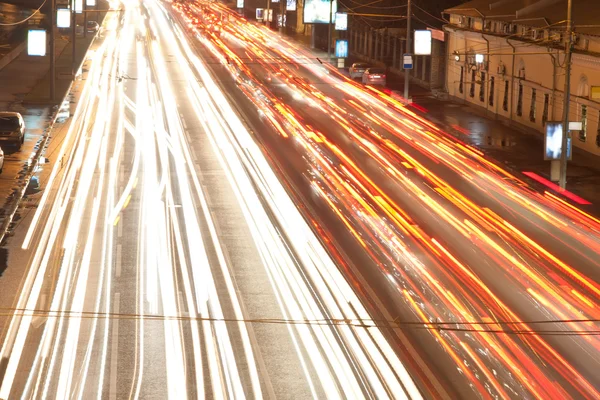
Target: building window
[(546, 105), (482, 88), (472, 90), (532, 108), (460, 82), (520, 101), (582, 132), (505, 102), (491, 97)]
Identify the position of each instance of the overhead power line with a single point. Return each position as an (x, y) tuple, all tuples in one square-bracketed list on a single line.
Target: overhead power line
[(496, 327)]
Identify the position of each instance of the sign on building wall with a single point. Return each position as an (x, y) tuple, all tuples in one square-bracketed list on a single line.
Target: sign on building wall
[(317, 11), (291, 5), (553, 142), (341, 21), (437, 34), (422, 43), (36, 42)]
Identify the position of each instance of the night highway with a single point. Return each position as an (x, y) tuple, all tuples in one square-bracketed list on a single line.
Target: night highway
[(167, 261), (231, 217), (439, 232)]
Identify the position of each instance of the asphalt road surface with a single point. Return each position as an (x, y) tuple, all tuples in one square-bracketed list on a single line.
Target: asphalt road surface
[(493, 286), (166, 260)]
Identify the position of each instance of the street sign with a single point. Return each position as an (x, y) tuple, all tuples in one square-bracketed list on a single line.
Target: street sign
[(407, 62)]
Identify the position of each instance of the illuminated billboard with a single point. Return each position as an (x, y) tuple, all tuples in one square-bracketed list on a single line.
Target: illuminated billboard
[(90, 3), (317, 11), (63, 18), (36, 42), (553, 142), (291, 5), (341, 48), (341, 21), (78, 6), (260, 14), (423, 43), (240, 3)]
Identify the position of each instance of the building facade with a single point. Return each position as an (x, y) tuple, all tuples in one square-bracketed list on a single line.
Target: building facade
[(508, 57)]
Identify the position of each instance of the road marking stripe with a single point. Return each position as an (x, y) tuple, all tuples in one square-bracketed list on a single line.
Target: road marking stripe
[(112, 394)]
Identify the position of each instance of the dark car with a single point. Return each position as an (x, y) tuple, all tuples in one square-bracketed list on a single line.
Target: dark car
[(12, 128), (374, 76)]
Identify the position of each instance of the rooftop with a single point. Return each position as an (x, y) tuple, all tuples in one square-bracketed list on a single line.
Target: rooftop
[(535, 13)]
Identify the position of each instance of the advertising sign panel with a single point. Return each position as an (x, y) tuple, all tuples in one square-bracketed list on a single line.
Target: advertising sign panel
[(341, 48), (63, 18), (341, 21), (553, 142), (260, 14), (422, 43), (317, 11), (240, 3), (291, 5), (36, 42)]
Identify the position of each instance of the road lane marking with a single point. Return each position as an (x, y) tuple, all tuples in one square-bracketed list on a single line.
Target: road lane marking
[(120, 230), (112, 391), (118, 261)]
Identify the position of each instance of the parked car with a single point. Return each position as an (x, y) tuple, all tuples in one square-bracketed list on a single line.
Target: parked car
[(1, 160), (92, 27), (12, 128), (374, 76), (357, 70)]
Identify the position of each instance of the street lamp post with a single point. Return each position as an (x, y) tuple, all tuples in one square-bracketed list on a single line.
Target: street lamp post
[(267, 16), (329, 31), (52, 53), (407, 71), (567, 98)]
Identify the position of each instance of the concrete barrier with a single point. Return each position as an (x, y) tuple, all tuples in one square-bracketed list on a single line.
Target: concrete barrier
[(14, 53)]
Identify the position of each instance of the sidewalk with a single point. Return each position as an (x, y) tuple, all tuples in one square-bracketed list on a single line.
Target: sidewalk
[(25, 88)]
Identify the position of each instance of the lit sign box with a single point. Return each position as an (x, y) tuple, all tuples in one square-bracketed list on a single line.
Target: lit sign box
[(270, 14), (90, 3), (274, 1), (240, 3), (576, 126), (63, 18), (291, 5), (317, 11), (341, 48), (423, 43), (553, 142), (36, 42), (260, 14), (78, 6), (341, 21)]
